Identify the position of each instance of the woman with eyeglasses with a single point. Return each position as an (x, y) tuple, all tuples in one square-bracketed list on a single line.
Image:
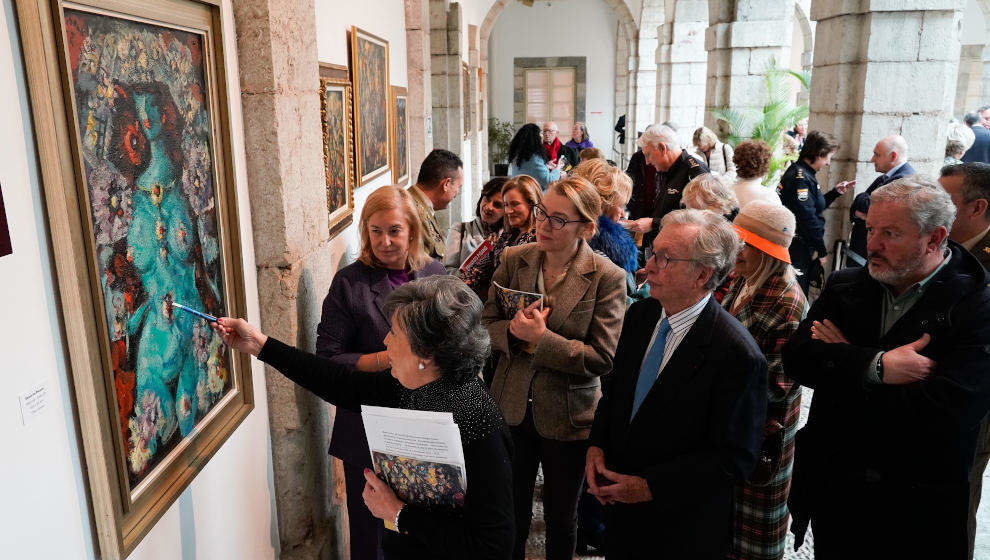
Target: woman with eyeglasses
[(519, 196), (547, 379)]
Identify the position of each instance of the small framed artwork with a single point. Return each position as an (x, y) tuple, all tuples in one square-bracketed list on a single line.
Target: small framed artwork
[(369, 77), (140, 191), (338, 146), (5, 246), (399, 136), (466, 76)]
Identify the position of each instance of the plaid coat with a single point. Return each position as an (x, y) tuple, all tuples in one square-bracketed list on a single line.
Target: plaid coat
[(771, 314)]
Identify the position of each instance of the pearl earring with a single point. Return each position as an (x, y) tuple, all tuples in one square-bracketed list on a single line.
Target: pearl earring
[(422, 366)]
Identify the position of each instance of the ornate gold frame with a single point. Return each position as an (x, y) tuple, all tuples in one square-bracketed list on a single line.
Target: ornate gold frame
[(393, 135), (333, 75), (124, 515), (364, 176)]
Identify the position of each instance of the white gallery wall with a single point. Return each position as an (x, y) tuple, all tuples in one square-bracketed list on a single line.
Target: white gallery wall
[(586, 28), (228, 511)]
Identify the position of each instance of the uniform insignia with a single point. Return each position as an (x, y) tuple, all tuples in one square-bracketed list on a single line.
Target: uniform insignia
[(800, 173), (694, 162), (802, 194), (671, 191), (986, 250)]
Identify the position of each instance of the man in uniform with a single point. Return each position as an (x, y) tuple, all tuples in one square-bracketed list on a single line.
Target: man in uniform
[(439, 180), (799, 192), (675, 169), (969, 186)]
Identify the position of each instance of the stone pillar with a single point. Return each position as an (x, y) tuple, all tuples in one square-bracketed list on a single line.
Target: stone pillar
[(621, 153), (646, 66), (984, 96), (277, 59), (897, 76), (681, 66), (419, 104), (474, 57), (742, 39), (445, 73)]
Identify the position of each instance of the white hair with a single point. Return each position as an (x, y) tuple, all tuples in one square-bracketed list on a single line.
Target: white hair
[(657, 134), (716, 244), (928, 203)]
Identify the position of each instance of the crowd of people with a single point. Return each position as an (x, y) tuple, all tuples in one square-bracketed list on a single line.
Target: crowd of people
[(657, 380)]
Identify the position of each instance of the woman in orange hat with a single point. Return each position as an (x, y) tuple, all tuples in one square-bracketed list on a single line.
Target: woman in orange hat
[(767, 300)]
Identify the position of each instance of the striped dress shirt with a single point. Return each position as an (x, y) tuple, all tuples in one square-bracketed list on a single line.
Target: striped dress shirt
[(680, 323)]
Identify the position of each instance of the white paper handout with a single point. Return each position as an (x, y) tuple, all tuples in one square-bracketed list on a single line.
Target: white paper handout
[(418, 454)]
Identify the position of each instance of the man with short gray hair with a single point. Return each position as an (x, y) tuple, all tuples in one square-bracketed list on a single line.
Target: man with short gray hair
[(980, 150), (681, 417), (890, 158), (674, 170), (897, 353)]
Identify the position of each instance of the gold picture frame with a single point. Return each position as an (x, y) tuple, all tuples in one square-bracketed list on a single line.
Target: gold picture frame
[(118, 151), (399, 135), (370, 79), (336, 116)]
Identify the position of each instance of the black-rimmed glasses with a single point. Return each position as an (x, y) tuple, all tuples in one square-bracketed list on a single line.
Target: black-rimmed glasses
[(556, 224), (663, 261)]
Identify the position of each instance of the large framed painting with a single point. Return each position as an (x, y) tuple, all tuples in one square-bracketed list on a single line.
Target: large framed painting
[(370, 75), (466, 85), (5, 246), (399, 136), (141, 202), (338, 148)]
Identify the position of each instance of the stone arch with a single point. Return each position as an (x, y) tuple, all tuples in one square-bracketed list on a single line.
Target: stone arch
[(807, 34), (625, 72), (973, 81)]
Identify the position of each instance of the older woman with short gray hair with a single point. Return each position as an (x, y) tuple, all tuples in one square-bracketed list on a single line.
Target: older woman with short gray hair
[(436, 347), (710, 192)]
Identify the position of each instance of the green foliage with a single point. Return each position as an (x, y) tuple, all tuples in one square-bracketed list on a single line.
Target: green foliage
[(772, 121), (499, 136)]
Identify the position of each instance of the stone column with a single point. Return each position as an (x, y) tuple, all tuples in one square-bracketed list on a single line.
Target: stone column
[(681, 66), (474, 57), (621, 96), (888, 70), (277, 59), (646, 66), (742, 39), (419, 104), (445, 74), (984, 96)]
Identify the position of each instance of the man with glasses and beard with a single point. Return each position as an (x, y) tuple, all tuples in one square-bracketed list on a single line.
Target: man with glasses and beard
[(897, 353)]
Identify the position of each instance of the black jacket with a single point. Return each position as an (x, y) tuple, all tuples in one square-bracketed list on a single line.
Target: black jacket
[(638, 206), (918, 438), (862, 204), (980, 150), (484, 527), (697, 432), (800, 193), (670, 185)]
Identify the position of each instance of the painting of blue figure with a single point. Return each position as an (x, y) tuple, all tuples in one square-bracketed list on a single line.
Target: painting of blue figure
[(145, 128)]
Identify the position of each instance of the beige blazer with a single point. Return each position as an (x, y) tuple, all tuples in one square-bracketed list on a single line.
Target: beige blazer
[(433, 239), (578, 346)]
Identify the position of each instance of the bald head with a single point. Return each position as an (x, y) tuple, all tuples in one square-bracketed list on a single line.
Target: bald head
[(889, 153)]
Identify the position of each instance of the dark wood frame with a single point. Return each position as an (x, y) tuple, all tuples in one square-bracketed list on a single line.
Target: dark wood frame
[(393, 132)]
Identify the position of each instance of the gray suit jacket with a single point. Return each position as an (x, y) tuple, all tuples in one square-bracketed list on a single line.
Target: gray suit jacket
[(578, 346)]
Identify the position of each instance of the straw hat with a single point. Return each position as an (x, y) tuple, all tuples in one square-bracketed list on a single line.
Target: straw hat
[(767, 226)]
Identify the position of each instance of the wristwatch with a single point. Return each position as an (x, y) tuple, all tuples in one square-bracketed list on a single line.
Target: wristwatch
[(879, 367)]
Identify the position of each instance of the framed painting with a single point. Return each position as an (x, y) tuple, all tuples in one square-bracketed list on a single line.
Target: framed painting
[(5, 246), (141, 203), (466, 84), (369, 76), (399, 136), (338, 148)]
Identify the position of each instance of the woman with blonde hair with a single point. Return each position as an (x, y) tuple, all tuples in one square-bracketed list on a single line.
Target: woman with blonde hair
[(552, 354), (353, 327), (766, 298), (520, 195), (716, 155), (614, 187), (708, 192)]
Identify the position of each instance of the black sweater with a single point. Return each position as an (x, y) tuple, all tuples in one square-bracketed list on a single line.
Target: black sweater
[(484, 527)]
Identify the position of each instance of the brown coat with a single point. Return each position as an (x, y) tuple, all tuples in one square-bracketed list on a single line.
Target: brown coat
[(578, 346)]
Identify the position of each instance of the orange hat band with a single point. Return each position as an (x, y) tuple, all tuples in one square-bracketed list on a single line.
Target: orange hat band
[(769, 247)]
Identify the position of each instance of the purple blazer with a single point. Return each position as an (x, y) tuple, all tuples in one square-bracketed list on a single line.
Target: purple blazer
[(353, 323)]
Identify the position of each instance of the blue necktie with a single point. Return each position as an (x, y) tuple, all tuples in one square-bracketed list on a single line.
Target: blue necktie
[(651, 366)]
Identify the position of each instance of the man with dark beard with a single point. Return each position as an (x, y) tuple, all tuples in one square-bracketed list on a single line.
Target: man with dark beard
[(897, 353)]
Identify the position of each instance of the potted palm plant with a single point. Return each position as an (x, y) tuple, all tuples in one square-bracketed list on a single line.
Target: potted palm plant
[(772, 121), (499, 136)]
